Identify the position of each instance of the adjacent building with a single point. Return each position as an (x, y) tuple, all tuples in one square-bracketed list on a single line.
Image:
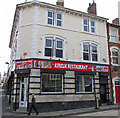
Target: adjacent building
[(114, 56), (59, 54)]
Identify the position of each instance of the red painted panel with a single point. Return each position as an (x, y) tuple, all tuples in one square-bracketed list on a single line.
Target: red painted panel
[(42, 64), (117, 92)]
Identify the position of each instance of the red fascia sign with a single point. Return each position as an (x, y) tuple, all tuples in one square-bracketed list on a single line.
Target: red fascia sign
[(42, 64)]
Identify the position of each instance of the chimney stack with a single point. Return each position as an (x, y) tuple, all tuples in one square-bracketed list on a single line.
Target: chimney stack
[(92, 8), (116, 21), (60, 3)]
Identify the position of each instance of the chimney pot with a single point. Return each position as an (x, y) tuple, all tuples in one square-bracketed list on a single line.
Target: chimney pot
[(60, 3)]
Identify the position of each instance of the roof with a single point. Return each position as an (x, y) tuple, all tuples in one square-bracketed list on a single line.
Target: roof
[(114, 25)]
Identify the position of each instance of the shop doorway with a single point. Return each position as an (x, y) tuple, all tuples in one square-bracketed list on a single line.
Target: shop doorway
[(103, 95), (23, 93)]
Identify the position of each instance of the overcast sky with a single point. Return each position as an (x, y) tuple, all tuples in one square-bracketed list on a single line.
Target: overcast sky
[(105, 8)]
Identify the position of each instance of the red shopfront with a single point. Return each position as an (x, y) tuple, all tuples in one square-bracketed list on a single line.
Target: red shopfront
[(58, 65), (71, 84)]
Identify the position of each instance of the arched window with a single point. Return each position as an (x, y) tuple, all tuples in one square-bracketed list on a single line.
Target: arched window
[(114, 56), (54, 46), (90, 51)]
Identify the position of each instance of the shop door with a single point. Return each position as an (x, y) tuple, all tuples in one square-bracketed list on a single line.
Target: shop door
[(23, 91), (103, 93), (117, 91)]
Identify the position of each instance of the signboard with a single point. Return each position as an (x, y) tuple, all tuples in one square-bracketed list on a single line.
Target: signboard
[(99, 68), (42, 64), (23, 64)]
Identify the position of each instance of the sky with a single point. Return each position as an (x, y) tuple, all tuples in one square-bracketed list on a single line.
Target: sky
[(105, 8)]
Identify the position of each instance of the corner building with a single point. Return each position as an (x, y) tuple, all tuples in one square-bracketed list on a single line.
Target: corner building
[(60, 55)]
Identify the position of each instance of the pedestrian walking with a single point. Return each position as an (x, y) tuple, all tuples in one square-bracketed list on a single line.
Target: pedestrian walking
[(33, 105)]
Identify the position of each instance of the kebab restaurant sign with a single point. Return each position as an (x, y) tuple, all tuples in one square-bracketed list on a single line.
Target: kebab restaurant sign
[(42, 64)]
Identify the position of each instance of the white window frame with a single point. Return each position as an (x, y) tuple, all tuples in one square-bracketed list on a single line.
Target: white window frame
[(52, 92), (115, 56), (54, 18), (89, 26), (92, 26), (115, 36), (59, 19), (49, 38), (86, 25), (83, 83), (93, 44), (90, 53), (55, 39)]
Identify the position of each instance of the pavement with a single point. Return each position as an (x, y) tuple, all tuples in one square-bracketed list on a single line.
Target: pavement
[(6, 112)]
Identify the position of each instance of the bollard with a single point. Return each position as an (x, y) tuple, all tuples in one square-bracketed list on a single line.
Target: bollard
[(97, 103)]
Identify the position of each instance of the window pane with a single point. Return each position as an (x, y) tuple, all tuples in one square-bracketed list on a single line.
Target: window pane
[(50, 14), (115, 53), (59, 53), (85, 56), (50, 83), (79, 84), (59, 16), (94, 57), (88, 83), (50, 21), (59, 23), (48, 43), (59, 44), (94, 49), (85, 48), (113, 35), (92, 29), (115, 60), (48, 52), (117, 82), (84, 83), (85, 28), (85, 22), (92, 23)]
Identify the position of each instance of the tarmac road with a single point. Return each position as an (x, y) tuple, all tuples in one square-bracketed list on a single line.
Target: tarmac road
[(109, 113)]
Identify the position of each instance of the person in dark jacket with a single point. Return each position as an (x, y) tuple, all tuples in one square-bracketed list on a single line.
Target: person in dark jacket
[(33, 105)]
